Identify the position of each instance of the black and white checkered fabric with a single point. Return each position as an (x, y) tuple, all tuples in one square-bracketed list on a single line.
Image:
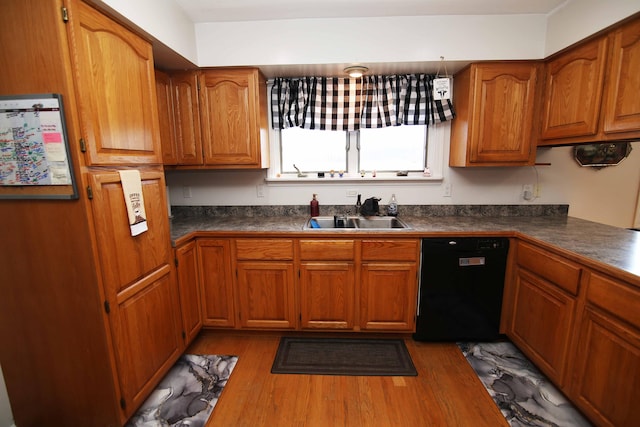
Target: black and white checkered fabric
[(331, 103)]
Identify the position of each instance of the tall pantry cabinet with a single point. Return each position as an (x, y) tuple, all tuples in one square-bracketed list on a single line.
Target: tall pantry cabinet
[(89, 315)]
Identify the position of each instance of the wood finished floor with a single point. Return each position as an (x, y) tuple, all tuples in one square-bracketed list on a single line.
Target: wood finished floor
[(446, 391)]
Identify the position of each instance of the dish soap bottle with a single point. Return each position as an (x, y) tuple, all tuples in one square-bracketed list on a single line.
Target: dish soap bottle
[(392, 207), (315, 206)]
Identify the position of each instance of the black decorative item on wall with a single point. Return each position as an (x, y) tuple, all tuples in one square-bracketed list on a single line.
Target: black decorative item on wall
[(601, 155)]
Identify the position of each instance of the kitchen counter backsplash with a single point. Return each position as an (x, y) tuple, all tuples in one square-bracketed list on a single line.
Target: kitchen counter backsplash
[(403, 210)]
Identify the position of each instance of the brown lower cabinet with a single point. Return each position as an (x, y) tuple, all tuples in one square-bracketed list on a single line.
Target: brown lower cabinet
[(606, 377), (187, 261), (216, 283), (388, 285), (327, 284), (308, 284), (265, 283), (581, 328), (542, 308)]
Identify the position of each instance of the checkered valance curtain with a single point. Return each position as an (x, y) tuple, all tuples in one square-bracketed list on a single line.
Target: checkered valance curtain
[(331, 103)]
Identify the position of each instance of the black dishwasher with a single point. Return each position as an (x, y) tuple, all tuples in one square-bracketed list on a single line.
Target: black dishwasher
[(461, 286)]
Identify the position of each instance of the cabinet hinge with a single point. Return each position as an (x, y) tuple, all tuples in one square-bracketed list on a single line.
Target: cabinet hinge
[(89, 192), (107, 307), (123, 404), (65, 14), (83, 145)]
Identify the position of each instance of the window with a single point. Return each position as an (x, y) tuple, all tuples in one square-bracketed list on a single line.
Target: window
[(393, 149), (313, 150), (389, 149)]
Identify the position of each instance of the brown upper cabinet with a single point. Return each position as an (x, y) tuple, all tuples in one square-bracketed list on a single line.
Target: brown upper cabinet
[(179, 118), (219, 117), (622, 108), (165, 117), (591, 90), (494, 104), (115, 80)]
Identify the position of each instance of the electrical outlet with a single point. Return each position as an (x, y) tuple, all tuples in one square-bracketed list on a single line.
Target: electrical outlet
[(447, 189), (527, 192), (352, 193), (260, 190), (186, 192)]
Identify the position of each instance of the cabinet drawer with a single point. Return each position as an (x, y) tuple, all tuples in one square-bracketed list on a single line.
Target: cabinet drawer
[(561, 272), (269, 249), (614, 297), (327, 250), (389, 250)]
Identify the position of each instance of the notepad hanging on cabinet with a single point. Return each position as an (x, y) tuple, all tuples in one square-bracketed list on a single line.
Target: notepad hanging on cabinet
[(133, 198)]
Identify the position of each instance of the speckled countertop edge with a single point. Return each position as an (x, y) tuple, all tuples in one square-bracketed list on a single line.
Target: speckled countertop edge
[(612, 246)]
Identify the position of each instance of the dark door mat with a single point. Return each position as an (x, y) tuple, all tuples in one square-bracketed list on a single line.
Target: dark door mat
[(343, 356)]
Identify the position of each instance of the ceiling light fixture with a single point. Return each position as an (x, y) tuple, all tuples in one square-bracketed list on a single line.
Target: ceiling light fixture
[(356, 71)]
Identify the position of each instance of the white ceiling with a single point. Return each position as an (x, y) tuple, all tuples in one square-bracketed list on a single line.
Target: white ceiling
[(257, 10)]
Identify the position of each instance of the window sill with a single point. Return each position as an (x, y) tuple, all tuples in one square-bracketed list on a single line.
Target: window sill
[(350, 179)]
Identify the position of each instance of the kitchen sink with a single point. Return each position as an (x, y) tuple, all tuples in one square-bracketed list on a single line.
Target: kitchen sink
[(354, 222)]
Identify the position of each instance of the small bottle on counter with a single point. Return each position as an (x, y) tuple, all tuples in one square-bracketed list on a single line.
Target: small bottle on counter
[(358, 204), (392, 207), (314, 206)]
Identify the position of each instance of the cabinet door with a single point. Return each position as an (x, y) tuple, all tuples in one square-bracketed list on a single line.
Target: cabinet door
[(142, 301), (187, 117), (266, 294), (165, 118), (622, 108), (502, 113), (216, 285), (327, 295), (541, 323), (573, 91), (607, 379), (116, 91), (231, 122), (189, 286), (388, 296)]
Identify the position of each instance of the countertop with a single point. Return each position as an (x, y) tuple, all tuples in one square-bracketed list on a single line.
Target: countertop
[(601, 245)]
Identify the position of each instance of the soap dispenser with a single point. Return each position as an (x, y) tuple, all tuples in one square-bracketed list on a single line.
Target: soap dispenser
[(392, 207), (314, 206)]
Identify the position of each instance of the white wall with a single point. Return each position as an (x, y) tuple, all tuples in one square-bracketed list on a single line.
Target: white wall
[(371, 40), (6, 417), (608, 196), (577, 19)]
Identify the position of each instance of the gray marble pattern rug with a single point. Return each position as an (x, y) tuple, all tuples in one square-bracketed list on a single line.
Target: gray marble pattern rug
[(187, 395), (523, 394)]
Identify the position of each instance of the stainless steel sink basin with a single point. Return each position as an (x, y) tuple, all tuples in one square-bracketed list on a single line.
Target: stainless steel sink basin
[(378, 222), (354, 222), (330, 222)]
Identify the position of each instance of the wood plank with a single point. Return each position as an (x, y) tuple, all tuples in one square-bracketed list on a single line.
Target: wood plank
[(445, 392)]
